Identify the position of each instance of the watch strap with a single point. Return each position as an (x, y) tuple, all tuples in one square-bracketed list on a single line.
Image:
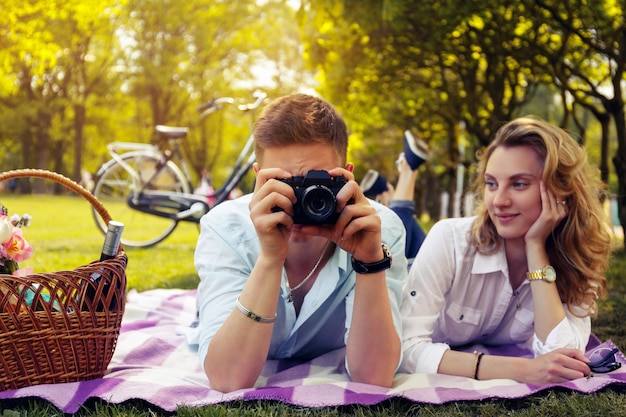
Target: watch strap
[(535, 275), (373, 267), (547, 273)]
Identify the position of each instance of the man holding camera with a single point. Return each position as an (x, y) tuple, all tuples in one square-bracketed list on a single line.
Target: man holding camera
[(303, 265)]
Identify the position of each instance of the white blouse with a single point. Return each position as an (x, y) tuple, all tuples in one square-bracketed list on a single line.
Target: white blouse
[(456, 296)]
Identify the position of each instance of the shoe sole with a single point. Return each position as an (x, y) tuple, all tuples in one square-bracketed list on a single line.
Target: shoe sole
[(417, 145)]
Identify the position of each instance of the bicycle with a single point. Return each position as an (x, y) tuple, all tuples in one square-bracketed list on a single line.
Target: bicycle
[(148, 186)]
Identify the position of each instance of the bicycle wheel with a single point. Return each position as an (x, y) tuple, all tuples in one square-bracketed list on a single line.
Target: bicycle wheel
[(115, 182)]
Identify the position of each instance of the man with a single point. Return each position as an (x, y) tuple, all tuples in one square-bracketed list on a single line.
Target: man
[(274, 288)]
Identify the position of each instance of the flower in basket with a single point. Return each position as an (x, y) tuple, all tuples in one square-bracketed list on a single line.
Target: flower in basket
[(13, 247)]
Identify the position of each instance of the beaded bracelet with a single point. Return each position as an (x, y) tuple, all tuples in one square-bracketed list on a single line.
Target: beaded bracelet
[(252, 315), (479, 356)]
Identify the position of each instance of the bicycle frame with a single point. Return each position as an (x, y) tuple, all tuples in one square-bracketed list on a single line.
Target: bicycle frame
[(149, 186), (172, 204), (140, 148), (242, 165)]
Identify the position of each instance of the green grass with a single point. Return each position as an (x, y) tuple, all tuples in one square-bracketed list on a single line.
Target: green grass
[(64, 236)]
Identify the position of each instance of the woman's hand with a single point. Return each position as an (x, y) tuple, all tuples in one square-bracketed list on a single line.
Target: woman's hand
[(553, 211), (557, 366)]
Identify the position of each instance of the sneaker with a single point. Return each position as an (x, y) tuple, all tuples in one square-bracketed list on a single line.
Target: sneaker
[(373, 183), (415, 150)]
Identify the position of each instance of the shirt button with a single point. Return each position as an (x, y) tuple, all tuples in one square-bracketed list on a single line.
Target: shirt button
[(461, 318), (518, 306), (413, 293)]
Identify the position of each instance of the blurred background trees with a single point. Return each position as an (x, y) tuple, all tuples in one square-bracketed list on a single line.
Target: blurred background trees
[(457, 70), (77, 74)]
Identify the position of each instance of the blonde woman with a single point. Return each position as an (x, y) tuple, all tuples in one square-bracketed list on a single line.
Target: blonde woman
[(527, 268)]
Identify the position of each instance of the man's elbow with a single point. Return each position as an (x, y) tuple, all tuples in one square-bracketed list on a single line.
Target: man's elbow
[(229, 378), (381, 379), (229, 383)]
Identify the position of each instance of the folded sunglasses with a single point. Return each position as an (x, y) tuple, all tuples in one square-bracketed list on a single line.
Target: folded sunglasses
[(606, 363)]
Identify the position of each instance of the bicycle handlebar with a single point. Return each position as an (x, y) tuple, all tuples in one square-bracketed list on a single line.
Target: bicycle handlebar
[(217, 103)]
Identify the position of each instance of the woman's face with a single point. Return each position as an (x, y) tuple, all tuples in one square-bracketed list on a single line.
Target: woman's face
[(512, 193)]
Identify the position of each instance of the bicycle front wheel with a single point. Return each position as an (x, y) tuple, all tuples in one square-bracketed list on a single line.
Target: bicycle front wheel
[(116, 181)]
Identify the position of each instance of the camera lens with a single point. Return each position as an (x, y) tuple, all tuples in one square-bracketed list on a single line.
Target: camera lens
[(318, 203)]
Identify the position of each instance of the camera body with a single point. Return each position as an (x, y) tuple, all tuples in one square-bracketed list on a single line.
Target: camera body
[(315, 193)]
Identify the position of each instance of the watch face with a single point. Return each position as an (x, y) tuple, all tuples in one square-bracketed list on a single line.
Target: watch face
[(549, 274)]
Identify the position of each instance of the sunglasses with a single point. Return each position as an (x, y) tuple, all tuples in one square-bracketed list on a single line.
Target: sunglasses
[(606, 363)]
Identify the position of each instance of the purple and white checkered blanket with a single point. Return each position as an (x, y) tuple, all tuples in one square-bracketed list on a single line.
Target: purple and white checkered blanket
[(153, 362)]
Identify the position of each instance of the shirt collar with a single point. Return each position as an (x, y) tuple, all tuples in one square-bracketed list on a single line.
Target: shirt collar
[(343, 260), (484, 264)]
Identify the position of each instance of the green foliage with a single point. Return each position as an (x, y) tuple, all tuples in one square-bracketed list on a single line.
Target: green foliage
[(58, 52), (75, 75), (457, 70)]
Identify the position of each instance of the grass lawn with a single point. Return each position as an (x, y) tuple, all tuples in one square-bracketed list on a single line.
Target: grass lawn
[(64, 236)]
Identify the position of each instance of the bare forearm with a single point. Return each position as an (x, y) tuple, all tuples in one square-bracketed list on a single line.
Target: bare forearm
[(554, 367), (548, 307), (237, 354), (492, 367), (238, 351), (373, 349)]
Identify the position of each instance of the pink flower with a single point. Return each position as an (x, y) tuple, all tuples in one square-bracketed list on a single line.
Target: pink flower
[(24, 272), (6, 229), (16, 248)]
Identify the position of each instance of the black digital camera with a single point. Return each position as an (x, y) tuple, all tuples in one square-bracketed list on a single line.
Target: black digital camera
[(315, 193)]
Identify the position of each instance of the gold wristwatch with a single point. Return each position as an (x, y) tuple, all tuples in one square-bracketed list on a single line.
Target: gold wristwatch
[(547, 273)]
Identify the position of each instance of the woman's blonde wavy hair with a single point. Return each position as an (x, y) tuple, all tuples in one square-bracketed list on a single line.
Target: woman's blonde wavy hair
[(579, 247)]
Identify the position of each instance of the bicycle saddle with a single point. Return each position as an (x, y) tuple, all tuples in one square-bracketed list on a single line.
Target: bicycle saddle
[(171, 132)]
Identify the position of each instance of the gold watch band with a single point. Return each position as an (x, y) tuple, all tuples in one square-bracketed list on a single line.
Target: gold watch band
[(547, 273), (534, 275)]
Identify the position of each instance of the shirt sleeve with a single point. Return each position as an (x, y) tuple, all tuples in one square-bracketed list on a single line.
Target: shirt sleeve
[(430, 279), (572, 332), (224, 258)]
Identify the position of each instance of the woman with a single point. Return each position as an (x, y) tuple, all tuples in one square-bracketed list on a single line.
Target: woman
[(526, 269)]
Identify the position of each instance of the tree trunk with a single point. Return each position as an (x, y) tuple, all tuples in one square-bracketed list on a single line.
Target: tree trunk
[(79, 124), (42, 147), (619, 160)]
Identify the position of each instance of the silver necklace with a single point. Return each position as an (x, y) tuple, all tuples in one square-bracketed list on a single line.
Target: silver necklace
[(291, 290)]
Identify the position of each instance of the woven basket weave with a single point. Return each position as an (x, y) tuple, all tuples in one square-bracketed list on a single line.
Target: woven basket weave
[(60, 336)]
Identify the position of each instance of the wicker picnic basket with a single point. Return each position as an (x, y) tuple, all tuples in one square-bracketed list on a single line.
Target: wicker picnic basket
[(49, 331)]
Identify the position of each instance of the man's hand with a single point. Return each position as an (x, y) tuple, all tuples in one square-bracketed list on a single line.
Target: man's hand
[(271, 211), (358, 228)]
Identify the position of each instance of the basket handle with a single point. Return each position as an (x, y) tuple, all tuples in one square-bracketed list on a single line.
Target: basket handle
[(66, 182)]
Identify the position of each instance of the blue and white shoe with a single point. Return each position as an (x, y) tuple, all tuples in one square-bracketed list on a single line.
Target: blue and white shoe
[(416, 151), (373, 183)]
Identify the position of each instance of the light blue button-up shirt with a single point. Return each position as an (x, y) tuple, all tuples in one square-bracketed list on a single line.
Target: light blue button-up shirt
[(226, 253)]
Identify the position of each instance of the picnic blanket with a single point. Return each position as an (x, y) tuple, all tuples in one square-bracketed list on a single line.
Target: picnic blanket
[(153, 362)]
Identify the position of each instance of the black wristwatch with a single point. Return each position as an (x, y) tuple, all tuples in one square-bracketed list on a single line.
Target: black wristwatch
[(365, 268)]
